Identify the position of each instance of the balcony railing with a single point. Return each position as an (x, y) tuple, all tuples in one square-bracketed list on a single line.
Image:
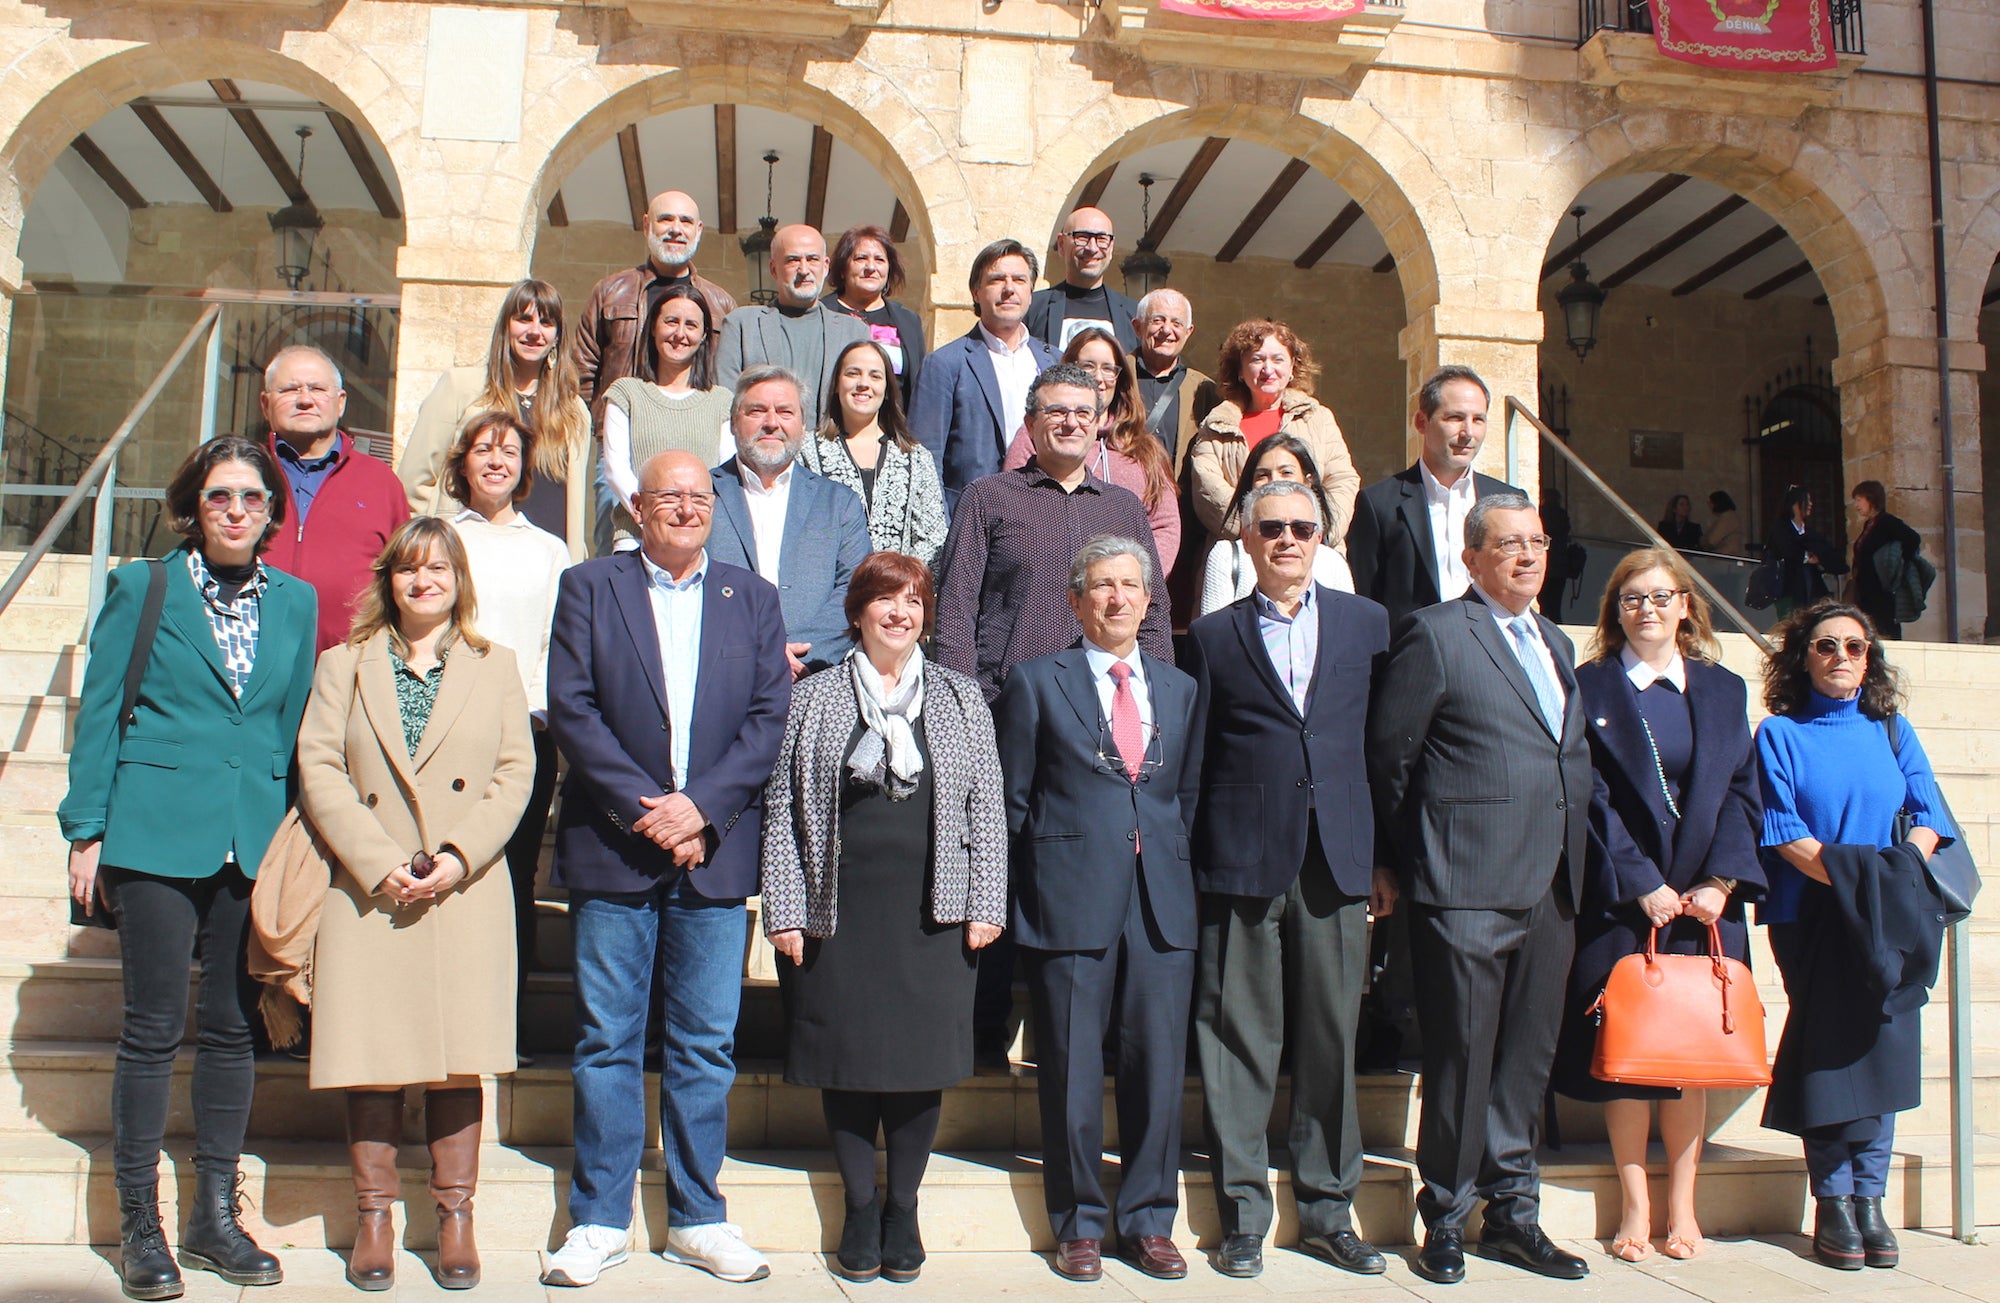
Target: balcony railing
[(1637, 16)]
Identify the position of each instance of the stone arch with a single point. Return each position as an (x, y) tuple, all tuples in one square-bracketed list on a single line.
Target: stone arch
[(1971, 249)]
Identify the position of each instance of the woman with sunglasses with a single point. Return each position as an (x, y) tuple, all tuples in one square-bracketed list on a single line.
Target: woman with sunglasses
[(1228, 574), (171, 805), (1840, 770), (1673, 846)]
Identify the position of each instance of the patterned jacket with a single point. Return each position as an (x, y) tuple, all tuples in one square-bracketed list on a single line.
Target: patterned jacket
[(802, 804), (907, 515)]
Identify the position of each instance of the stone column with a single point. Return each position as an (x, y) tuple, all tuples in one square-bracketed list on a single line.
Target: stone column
[(1504, 347), (1889, 432), (450, 297)]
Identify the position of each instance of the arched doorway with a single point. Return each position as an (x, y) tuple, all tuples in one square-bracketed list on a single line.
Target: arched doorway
[(1797, 441)]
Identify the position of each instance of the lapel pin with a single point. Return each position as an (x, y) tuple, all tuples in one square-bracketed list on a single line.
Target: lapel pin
[(727, 591), (1600, 721)]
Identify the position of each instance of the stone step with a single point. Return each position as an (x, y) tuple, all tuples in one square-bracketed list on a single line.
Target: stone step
[(60, 1191), (42, 623), (59, 574), (36, 722), (32, 782), (58, 671)]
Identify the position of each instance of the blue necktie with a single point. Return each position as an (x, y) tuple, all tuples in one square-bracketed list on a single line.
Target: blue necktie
[(1546, 691)]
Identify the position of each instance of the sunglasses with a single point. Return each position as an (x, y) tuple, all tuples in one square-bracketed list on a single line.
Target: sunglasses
[(1856, 649), (254, 500), (1302, 530)]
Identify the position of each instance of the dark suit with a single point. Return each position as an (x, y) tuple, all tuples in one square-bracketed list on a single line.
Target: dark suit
[(957, 412), (1389, 543), (1284, 840), (826, 536), (1110, 935), (1049, 309), (1484, 814), (608, 713)]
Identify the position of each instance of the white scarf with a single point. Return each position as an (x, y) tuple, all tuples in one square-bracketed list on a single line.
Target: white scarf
[(887, 756)]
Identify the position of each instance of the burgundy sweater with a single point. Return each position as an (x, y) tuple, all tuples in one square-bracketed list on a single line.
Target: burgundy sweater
[(358, 506)]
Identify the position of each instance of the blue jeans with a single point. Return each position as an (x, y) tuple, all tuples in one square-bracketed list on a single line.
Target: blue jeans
[(1857, 1164), (697, 945)]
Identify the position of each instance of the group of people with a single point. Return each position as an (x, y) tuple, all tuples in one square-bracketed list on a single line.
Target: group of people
[(926, 664)]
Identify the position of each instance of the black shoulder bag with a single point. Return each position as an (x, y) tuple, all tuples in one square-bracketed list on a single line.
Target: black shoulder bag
[(1950, 867)]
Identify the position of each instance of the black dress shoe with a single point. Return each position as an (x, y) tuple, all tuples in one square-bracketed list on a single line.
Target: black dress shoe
[(1836, 1239), (1878, 1242), (1442, 1259), (1347, 1251), (1525, 1246), (1241, 1256)]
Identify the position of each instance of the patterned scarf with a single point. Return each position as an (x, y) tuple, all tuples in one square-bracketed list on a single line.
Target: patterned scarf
[(887, 756), (233, 623)]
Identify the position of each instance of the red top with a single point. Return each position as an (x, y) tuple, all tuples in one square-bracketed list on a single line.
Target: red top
[(1259, 426), (358, 506)]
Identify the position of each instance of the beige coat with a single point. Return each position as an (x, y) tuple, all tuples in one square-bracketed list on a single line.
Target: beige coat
[(1219, 453), (419, 994)]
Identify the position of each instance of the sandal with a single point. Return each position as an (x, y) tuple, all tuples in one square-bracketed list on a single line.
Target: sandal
[(1680, 1248), (1631, 1248)]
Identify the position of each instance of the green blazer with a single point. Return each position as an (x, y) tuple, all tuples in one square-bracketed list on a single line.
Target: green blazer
[(199, 772)]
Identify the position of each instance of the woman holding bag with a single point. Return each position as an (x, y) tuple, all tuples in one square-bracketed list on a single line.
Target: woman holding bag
[(415, 763), (1673, 845)]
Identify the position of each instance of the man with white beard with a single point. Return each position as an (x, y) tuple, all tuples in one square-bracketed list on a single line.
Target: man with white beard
[(796, 331)]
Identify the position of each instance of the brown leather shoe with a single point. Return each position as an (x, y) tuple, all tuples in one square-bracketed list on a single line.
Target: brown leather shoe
[(374, 1127), (1080, 1259), (451, 1124), (1155, 1255)]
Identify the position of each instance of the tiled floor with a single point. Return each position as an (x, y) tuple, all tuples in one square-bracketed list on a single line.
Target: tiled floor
[(1763, 1270)]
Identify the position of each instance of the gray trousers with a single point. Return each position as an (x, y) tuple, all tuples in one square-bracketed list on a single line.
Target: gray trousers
[(1285, 969)]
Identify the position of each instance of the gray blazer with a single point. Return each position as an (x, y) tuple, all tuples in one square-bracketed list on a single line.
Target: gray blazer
[(802, 800), (826, 536), (750, 336), (1477, 805)]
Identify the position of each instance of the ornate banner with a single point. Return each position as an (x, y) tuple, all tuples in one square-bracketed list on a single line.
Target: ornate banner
[(1266, 11), (1758, 35)]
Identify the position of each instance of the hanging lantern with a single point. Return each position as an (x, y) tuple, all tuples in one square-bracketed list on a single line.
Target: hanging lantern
[(297, 226), (1146, 269), (1581, 301), (756, 246)]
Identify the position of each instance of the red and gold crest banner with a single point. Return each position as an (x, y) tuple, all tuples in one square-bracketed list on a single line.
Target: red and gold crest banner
[(1266, 11), (1757, 35)]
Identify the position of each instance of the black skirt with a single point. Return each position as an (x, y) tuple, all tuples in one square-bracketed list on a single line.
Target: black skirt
[(885, 1003)]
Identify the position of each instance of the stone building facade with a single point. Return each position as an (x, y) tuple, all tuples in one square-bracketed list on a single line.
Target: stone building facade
[(1465, 129)]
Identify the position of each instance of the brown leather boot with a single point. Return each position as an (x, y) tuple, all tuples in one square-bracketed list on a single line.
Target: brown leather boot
[(374, 1128), (451, 1124)]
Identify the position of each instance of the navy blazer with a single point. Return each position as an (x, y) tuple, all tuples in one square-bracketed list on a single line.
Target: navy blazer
[(1072, 820), (826, 536), (957, 412), (1389, 544), (1635, 844), (1267, 769), (608, 713)]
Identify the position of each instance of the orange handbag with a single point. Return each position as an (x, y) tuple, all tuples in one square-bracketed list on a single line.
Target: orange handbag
[(1680, 1020)]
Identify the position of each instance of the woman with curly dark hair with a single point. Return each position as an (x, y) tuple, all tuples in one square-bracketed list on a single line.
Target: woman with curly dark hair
[(1839, 768)]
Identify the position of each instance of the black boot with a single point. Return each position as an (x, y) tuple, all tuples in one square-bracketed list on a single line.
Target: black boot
[(145, 1268), (860, 1254), (215, 1240), (1878, 1242), (1836, 1240), (902, 1245)]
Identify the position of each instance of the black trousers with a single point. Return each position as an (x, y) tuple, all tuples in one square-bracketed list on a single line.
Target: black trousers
[(164, 924), (1489, 987)]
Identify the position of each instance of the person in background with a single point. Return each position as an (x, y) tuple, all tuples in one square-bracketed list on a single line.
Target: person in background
[(1082, 299), (1724, 533), (865, 274), (530, 375), (1673, 846), (1562, 567), (1266, 374), (343, 504), (1681, 533), (1230, 573), (168, 814), (516, 567), (884, 873), (415, 763), (671, 400), (865, 444), (796, 331), (1883, 548), (1803, 555)]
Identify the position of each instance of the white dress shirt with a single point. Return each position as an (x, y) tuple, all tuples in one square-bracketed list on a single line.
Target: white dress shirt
[(677, 618), (1507, 620), (1101, 662), (1643, 676), (767, 515), (1448, 509), (1015, 368)]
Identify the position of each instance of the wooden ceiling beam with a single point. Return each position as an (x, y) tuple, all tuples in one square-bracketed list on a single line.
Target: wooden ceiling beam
[(1253, 222), (1190, 180), (1674, 241), (254, 131), (1093, 189), (363, 162), (1325, 240), (1992, 297), (96, 160), (635, 174), (1387, 263), (1651, 195), (558, 211), (817, 170), (725, 168), (1730, 263), (183, 157), (1778, 282), (899, 223)]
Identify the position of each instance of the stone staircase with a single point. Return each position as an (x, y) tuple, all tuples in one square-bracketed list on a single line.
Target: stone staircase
[(60, 1005)]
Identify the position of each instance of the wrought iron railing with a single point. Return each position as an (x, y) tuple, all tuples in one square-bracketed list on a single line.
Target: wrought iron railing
[(1637, 16)]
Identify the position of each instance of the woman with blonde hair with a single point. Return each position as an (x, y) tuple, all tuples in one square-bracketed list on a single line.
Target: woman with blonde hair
[(529, 375), (1673, 846), (415, 763)]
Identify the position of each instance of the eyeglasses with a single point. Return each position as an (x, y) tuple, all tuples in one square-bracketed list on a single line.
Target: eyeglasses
[(1268, 530), (1661, 598), (677, 499), (1856, 649), (1519, 544), (1100, 238), (255, 501), (1112, 761), (1067, 415), (296, 388)]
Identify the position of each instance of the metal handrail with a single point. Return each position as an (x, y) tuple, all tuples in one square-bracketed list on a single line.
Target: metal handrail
[(101, 469), (1517, 413)]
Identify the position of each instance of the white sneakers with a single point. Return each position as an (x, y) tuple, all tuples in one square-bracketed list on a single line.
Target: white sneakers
[(586, 1252), (717, 1248)]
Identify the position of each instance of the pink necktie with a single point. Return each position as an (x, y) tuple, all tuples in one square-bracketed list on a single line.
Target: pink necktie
[(1125, 731)]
